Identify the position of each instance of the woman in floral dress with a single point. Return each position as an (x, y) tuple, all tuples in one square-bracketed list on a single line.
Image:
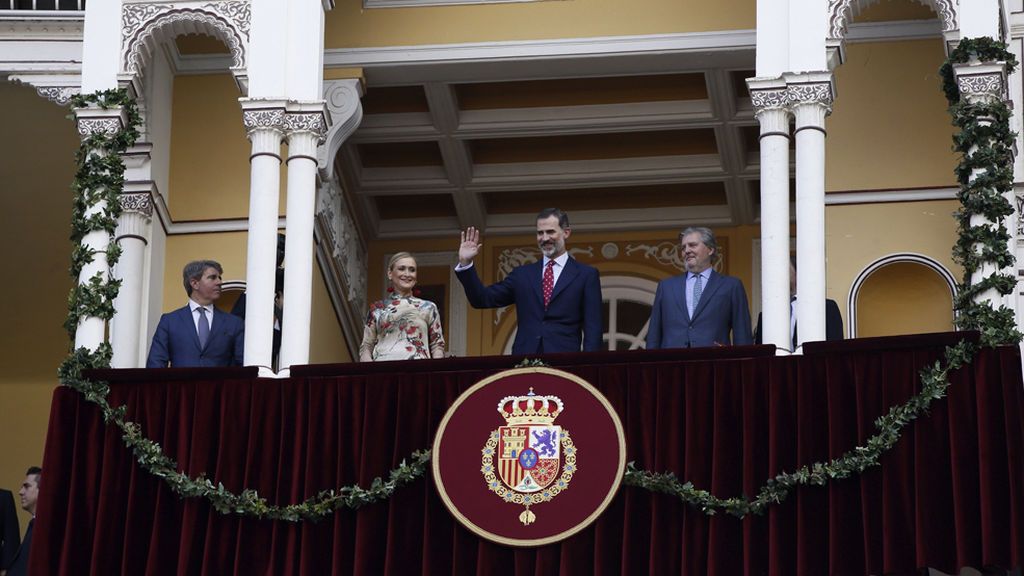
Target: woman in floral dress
[(402, 327)]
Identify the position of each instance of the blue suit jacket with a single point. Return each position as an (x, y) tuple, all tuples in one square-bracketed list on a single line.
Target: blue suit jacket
[(722, 307), (177, 342), (573, 315)]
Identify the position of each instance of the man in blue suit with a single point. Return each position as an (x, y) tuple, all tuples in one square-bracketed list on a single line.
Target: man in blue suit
[(701, 307), (198, 334), (558, 300)]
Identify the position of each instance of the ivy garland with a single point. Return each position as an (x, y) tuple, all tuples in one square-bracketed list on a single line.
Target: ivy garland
[(985, 174), (985, 148)]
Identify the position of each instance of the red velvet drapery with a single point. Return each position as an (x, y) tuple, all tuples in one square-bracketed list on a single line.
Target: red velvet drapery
[(950, 494)]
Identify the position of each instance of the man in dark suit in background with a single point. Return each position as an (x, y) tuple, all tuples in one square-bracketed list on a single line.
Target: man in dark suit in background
[(10, 532), (29, 494), (558, 300), (701, 307), (198, 334), (833, 318)]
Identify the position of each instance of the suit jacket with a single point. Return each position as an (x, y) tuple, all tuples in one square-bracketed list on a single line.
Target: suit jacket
[(177, 342), (722, 307), (833, 324), (10, 532), (573, 316), (20, 565)]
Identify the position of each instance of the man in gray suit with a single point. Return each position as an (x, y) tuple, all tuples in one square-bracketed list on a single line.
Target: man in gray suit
[(701, 307)]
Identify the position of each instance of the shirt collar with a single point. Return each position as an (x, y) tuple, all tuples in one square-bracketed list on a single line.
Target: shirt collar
[(560, 261), (192, 305), (706, 274)]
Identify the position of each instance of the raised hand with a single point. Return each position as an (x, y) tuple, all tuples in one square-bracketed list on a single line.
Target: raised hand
[(470, 246)]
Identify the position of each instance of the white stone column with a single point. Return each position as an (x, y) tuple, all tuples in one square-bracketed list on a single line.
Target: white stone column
[(986, 82), (132, 235), (306, 125), (810, 98), (91, 330), (769, 97), (264, 123)]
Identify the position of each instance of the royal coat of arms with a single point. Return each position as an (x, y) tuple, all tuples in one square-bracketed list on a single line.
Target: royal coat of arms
[(531, 459)]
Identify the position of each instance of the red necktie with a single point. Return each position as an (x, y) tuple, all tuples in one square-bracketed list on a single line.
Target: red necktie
[(548, 285)]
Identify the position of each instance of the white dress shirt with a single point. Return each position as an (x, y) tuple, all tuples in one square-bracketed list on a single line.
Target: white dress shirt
[(195, 315)]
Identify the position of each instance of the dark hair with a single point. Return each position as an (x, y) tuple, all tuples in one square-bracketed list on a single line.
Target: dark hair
[(36, 471), (194, 271), (563, 218), (792, 261)]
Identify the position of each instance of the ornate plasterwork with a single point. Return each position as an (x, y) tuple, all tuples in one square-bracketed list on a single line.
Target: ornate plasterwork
[(274, 118), (229, 21), (809, 93), (239, 12), (772, 99), (140, 202), (989, 85), (306, 122), (1020, 217), (58, 94), (841, 11), (90, 126), (665, 253), (343, 239)]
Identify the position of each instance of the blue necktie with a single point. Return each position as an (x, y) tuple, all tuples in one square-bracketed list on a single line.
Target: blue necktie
[(204, 328), (698, 287)]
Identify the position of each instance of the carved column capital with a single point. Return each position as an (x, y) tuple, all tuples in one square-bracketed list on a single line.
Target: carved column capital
[(95, 120), (260, 114), (800, 93), (767, 94), (309, 117), (137, 202), (981, 82)]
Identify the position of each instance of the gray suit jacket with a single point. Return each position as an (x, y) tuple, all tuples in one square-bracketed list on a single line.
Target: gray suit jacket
[(722, 309)]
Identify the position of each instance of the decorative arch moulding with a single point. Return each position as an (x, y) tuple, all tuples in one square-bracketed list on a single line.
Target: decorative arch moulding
[(227, 20), (840, 12)]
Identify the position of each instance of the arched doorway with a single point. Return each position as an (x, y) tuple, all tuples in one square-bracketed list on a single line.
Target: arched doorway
[(902, 294)]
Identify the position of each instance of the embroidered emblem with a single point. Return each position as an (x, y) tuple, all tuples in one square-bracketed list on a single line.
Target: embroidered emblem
[(521, 461)]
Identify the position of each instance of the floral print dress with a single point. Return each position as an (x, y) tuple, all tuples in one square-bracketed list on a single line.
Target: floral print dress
[(403, 328)]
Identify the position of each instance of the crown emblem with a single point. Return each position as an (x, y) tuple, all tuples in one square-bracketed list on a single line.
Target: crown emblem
[(530, 409)]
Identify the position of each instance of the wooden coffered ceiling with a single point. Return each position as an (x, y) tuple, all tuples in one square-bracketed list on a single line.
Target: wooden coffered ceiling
[(624, 134), (635, 142)]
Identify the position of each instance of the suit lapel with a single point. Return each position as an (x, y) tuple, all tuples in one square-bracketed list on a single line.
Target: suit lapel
[(568, 274), (187, 323), (536, 278), (678, 295), (714, 281)]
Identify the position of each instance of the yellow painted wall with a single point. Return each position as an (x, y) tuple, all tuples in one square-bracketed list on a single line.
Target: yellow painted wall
[(36, 199), (889, 127), (350, 25), (326, 341), (228, 248), (858, 235), (209, 177), (904, 298)]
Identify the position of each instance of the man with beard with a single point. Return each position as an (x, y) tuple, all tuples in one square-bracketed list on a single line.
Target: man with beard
[(701, 307), (198, 334), (558, 300)]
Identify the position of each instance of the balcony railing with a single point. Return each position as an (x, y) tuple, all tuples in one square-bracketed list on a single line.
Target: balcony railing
[(41, 5)]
